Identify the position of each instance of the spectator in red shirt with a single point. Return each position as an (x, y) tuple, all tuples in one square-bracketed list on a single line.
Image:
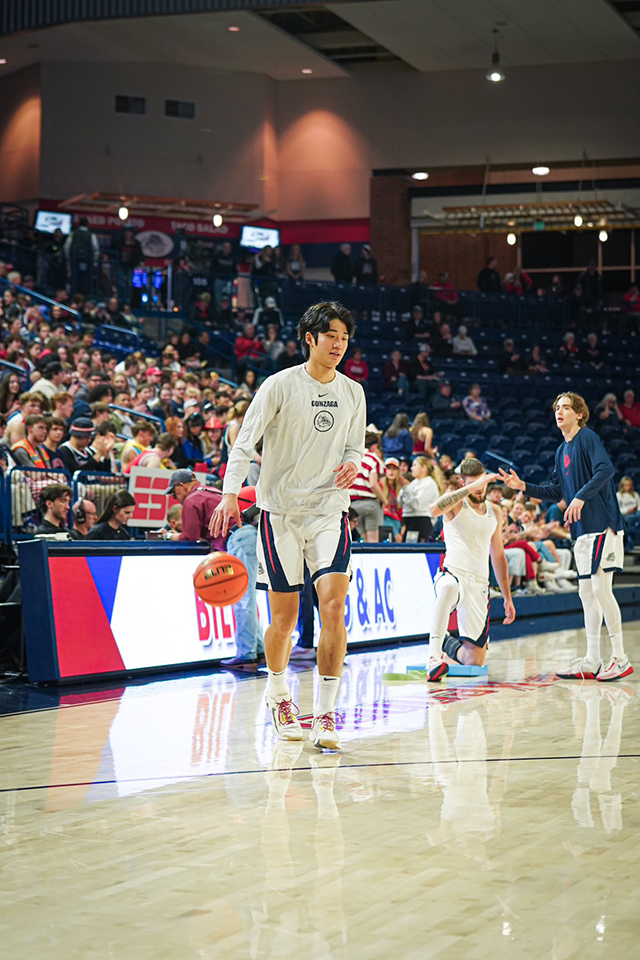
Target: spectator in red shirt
[(631, 307), (517, 282), (356, 368), (629, 409), (568, 352), (444, 290), (396, 374), (247, 347)]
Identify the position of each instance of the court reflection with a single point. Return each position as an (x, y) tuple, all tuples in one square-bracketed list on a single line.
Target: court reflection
[(596, 801), (302, 912)]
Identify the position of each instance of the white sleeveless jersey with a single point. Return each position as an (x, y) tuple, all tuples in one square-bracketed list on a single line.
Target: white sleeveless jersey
[(467, 540)]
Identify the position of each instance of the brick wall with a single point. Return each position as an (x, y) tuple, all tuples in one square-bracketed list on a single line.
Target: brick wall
[(463, 254), (390, 230)]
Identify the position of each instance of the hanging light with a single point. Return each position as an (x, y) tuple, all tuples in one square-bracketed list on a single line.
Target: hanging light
[(217, 219), (420, 175), (577, 220), (512, 239), (123, 213), (495, 74), (540, 171), (603, 236)]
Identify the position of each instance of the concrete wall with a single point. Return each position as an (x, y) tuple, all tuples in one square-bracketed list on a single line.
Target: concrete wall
[(20, 116), (302, 149), (225, 153)]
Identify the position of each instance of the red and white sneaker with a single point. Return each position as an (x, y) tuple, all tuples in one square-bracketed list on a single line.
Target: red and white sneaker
[(284, 714), (581, 669), (615, 670), (323, 731), (436, 669)]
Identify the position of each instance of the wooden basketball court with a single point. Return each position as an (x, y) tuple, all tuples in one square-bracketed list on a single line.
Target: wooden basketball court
[(475, 818)]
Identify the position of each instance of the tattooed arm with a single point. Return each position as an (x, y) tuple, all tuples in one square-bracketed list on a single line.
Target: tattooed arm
[(450, 503)]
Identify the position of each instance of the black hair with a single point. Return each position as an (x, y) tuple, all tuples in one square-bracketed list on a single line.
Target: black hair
[(107, 426), (54, 491), (317, 319), (99, 392), (116, 502), (83, 222)]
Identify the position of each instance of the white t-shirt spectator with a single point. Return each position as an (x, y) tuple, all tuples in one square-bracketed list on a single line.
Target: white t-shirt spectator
[(371, 467), (416, 497), (628, 502), (463, 345)]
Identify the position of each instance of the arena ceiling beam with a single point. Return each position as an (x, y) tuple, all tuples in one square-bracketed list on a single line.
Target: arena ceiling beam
[(18, 15)]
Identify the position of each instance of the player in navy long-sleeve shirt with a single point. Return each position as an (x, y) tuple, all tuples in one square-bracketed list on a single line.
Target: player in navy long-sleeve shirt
[(583, 478)]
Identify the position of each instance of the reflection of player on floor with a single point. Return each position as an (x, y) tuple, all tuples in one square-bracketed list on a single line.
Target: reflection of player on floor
[(583, 478), (472, 532), (312, 419)]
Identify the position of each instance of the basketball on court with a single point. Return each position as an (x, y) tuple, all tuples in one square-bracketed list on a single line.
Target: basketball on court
[(221, 579)]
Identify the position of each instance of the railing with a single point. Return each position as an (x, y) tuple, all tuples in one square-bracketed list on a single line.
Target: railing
[(22, 489), (135, 415), (40, 297), (97, 487)]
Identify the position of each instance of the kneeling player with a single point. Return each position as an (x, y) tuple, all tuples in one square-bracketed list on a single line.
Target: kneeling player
[(472, 532)]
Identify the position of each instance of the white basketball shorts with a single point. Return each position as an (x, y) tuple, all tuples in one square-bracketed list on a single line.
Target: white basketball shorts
[(593, 551), (472, 605), (285, 544)]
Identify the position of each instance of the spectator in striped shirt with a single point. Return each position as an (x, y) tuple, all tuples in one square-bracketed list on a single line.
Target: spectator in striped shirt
[(367, 496)]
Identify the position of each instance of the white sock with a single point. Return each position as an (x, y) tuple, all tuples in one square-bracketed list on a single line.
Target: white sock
[(327, 695), (278, 686)]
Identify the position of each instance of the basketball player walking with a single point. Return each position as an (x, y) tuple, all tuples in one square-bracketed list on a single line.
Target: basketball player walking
[(312, 420), (583, 478), (472, 530)]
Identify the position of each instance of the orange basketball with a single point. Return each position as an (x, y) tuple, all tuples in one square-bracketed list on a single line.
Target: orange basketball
[(221, 579)]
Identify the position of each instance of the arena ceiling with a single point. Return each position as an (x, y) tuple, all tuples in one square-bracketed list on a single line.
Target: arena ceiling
[(280, 38)]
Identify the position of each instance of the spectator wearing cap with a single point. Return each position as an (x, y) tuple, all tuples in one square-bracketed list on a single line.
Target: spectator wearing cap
[(422, 374), (54, 503), (268, 313), (53, 377), (85, 517), (392, 483), (367, 496), (445, 403), (463, 345), (28, 452), (112, 524), (76, 452), (212, 440), (198, 503), (366, 267), (154, 379)]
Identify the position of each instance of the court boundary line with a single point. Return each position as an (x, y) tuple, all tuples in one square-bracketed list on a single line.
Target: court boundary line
[(347, 766)]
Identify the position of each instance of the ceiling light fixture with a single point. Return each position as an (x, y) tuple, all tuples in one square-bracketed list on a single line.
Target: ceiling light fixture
[(123, 213), (512, 239), (307, 71), (3, 61), (233, 29), (577, 220), (217, 219), (495, 73), (603, 236), (420, 175), (541, 171)]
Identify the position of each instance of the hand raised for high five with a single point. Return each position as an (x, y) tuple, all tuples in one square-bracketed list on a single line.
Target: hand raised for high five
[(512, 480)]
